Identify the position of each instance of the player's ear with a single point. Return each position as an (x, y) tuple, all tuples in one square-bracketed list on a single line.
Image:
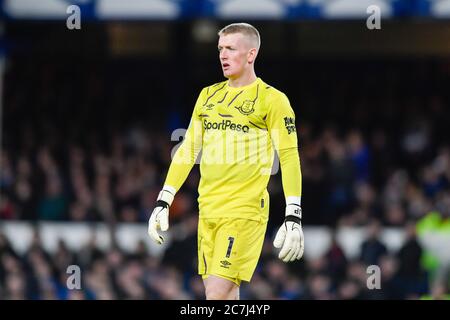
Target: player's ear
[(251, 55)]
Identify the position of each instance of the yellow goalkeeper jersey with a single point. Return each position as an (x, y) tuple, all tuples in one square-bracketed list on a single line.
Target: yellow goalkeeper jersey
[(236, 130)]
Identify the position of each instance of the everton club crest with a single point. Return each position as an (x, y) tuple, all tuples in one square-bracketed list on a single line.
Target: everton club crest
[(247, 107)]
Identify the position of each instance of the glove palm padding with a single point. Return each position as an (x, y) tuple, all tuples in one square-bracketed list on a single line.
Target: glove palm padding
[(159, 219), (290, 239)]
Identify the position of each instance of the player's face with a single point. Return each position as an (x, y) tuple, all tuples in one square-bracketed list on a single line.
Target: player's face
[(233, 54)]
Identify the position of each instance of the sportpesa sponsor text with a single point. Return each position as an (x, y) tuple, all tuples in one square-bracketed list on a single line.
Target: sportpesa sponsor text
[(225, 125)]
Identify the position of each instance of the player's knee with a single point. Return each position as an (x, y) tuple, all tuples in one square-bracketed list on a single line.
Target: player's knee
[(215, 292), (221, 292)]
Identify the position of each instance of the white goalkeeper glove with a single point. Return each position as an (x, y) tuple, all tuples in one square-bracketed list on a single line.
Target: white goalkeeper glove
[(290, 235), (159, 219)]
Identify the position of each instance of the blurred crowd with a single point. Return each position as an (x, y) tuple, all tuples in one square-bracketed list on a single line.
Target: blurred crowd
[(84, 154), (346, 180), (116, 274), (81, 145)]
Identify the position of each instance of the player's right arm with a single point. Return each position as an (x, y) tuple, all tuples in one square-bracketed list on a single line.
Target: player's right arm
[(182, 163)]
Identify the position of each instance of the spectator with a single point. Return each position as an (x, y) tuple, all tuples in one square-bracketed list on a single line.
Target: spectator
[(409, 256), (372, 249)]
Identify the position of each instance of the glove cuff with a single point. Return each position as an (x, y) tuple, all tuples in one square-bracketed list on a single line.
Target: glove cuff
[(293, 210), (293, 219), (167, 194), (161, 203), (294, 200)]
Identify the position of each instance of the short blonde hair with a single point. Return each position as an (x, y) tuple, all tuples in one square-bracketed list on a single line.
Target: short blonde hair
[(244, 28)]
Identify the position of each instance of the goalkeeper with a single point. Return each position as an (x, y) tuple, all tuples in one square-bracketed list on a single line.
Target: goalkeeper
[(237, 124)]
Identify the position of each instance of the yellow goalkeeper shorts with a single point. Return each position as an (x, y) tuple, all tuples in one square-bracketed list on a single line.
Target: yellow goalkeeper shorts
[(229, 248)]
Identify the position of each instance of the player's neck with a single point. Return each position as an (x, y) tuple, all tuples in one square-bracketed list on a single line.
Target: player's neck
[(242, 81)]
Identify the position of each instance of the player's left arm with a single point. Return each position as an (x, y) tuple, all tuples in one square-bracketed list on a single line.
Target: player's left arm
[(281, 124)]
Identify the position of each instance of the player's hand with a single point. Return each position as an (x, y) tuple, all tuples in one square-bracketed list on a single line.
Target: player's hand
[(290, 235), (159, 219)]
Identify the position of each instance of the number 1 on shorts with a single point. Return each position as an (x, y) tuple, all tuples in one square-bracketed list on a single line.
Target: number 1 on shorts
[(230, 245)]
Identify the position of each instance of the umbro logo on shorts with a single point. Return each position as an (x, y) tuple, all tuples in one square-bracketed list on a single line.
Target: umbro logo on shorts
[(225, 264)]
